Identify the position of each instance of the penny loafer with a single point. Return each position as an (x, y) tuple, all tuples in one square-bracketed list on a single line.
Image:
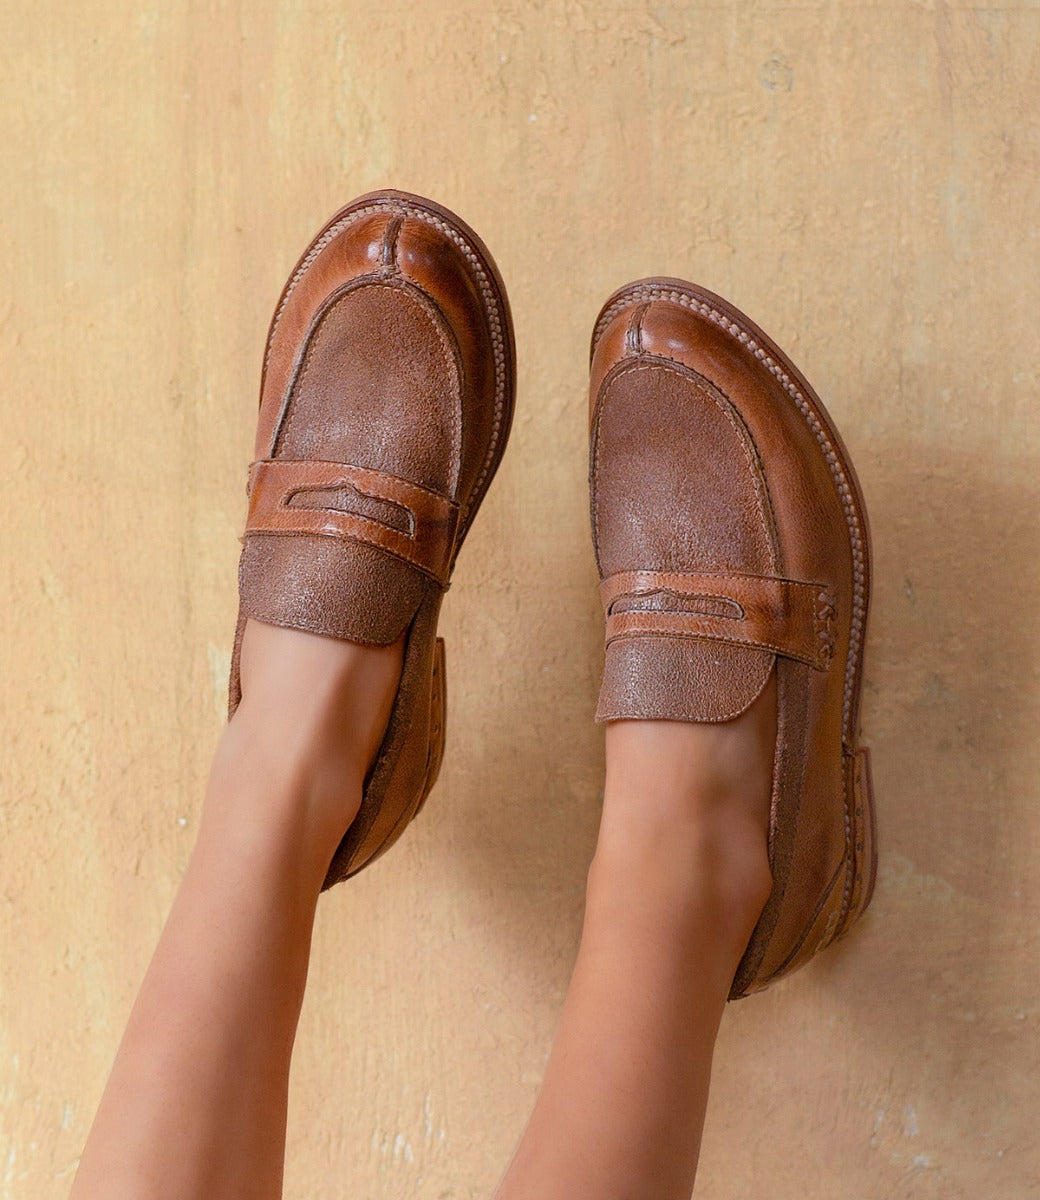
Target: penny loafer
[(385, 404), (732, 542)]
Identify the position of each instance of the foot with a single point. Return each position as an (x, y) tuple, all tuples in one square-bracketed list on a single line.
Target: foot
[(733, 557), (686, 805), (310, 722), (386, 399)]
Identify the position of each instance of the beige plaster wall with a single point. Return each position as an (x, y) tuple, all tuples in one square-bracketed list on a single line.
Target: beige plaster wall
[(862, 179)]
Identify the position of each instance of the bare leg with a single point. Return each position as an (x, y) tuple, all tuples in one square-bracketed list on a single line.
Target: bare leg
[(679, 878), (195, 1105)]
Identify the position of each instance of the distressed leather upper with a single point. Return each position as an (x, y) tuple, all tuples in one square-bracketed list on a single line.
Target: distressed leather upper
[(381, 360), (731, 541), (385, 406)]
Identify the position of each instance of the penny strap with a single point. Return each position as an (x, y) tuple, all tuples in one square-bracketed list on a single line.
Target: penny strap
[(781, 615), (429, 521)]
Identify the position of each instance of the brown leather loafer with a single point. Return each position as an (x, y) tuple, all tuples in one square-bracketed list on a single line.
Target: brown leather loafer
[(732, 541), (385, 404)]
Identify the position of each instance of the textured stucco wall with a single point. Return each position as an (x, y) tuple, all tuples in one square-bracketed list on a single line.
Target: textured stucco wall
[(861, 178)]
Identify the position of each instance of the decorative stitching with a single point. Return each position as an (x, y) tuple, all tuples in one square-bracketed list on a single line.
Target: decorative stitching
[(735, 575), (282, 429), (444, 516), (823, 624), (643, 593), (305, 489), (331, 462), (822, 613), (650, 631)]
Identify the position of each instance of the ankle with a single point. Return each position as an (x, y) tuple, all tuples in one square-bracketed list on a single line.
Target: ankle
[(686, 814), (321, 695), (697, 770), (687, 864), (309, 724), (274, 784)]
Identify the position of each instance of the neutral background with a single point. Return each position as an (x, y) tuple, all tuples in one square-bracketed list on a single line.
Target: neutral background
[(862, 180)]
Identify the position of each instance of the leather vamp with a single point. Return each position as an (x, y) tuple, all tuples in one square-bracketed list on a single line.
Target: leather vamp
[(677, 487), (377, 386)]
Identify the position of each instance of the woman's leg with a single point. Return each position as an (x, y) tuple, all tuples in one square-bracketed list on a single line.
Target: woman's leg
[(195, 1105), (679, 878)]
